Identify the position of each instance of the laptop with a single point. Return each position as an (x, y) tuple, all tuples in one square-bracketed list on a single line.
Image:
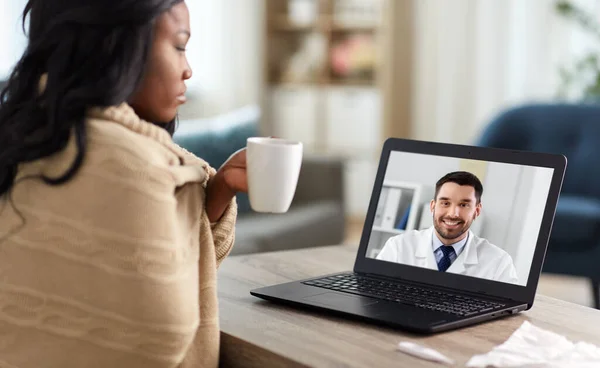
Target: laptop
[(454, 235)]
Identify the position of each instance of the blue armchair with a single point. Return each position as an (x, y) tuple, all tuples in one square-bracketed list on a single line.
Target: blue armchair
[(574, 131)]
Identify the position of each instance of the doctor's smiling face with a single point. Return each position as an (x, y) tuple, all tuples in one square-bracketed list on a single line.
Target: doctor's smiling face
[(456, 204)]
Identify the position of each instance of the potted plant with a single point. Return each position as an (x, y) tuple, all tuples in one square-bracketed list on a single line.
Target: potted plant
[(586, 70)]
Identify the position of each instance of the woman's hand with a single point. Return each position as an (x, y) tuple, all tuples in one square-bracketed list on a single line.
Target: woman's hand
[(234, 172), (230, 179)]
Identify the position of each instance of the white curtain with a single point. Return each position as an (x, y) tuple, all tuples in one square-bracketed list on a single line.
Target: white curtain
[(12, 39), (474, 58), (225, 53)]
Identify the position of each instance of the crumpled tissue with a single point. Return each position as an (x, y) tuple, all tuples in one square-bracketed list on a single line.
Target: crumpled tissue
[(530, 346)]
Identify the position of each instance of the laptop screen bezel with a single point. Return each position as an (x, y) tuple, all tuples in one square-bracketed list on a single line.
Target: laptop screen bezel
[(455, 281)]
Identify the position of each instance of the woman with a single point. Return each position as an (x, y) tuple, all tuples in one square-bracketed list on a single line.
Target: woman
[(110, 234)]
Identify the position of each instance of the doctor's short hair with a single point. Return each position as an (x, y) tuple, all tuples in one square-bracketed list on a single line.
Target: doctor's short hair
[(461, 178)]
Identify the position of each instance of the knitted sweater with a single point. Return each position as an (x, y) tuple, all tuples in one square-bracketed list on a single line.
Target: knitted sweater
[(116, 267)]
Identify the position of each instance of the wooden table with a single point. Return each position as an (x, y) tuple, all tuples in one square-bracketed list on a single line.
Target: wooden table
[(257, 333)]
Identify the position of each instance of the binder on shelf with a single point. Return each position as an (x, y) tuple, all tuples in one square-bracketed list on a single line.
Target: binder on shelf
[(380, 207), (390, 213), (408, 194), (404, 219)]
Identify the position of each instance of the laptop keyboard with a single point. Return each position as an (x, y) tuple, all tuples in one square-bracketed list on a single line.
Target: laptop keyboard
[(406, 294)]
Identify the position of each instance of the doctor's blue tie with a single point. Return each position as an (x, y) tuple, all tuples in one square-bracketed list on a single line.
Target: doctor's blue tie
[(445, 261)]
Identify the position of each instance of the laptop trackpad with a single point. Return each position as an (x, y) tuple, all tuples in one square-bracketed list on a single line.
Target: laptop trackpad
[(340, 300)]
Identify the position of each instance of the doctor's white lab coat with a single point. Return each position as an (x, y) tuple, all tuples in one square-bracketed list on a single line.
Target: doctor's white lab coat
[(479, 258)]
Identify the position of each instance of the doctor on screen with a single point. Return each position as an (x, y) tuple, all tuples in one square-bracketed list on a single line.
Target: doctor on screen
[(449, 246)]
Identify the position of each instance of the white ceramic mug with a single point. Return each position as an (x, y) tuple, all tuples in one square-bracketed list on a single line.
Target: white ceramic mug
[(273, 166)]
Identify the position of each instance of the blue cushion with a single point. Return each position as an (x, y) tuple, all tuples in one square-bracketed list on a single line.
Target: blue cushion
[(216, 139), (577, 223)]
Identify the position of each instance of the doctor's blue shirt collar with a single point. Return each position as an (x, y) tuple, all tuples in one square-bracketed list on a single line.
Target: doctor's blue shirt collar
[(458, 247)]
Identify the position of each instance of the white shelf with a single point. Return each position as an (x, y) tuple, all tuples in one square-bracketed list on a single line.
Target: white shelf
[(386, 230), (295, 112), (409, 202), (347, 117), (357, 154), (353, 118), (359, 176)]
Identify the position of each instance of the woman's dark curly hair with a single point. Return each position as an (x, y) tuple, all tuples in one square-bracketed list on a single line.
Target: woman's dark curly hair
[(93, 53)]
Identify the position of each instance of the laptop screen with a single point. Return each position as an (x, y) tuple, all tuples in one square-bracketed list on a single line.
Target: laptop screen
[(475, 218)]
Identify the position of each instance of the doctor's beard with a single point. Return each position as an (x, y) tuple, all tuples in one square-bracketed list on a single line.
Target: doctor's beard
[(450, 234)]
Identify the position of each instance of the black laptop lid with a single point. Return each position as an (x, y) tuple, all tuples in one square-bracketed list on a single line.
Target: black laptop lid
[(469, 218)]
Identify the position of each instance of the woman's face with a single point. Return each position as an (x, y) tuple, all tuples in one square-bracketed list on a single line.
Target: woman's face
[(162, 89)]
